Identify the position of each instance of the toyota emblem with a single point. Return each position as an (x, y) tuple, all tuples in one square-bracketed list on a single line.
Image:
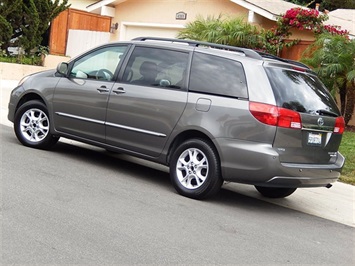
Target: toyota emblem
[(320, 121)]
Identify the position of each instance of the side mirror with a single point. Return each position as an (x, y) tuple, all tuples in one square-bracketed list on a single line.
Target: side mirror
[(62, 68)]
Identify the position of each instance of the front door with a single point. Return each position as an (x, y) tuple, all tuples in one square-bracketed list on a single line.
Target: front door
[(80, 100)]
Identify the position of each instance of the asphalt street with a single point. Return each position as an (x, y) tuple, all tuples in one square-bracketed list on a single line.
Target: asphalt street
[(77, 204)]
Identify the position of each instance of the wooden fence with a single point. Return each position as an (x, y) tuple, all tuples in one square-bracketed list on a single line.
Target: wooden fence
[(76, 20)]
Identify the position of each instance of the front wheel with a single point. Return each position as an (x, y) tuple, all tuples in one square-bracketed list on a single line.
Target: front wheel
[(195, 169), (32, 126), (275, 192)]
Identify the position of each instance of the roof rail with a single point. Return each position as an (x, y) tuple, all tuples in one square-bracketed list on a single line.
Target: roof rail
[(247, 52), (293, 62)]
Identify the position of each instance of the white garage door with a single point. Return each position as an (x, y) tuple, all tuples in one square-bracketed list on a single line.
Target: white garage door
[(129, 32)]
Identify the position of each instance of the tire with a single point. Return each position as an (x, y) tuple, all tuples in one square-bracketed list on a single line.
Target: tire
[(32, 126), (195, 169), (275, 192)]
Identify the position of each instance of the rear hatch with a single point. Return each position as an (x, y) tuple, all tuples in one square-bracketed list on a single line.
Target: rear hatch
[(313, 126)]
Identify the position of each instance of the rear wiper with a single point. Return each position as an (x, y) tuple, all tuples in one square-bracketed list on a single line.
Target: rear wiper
[(326, 112)]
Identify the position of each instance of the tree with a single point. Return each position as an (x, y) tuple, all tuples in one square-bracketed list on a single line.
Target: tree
[(332, 57), (325, 4), (336, 4), (229, 31), (303, 2), (28, 21), (7, 10), (30, 28)]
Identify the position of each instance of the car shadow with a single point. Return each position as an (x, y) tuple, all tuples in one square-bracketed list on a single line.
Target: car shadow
[(123, 164), (158, 175)]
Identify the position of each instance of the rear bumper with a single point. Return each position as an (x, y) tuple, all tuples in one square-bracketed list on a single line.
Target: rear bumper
[(258, 164)]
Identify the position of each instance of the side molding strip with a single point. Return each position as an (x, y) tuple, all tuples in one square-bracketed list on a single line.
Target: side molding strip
[(137, 130), (100, 122), (148, 132)]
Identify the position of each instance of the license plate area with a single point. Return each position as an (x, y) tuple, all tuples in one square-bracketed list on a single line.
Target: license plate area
[(314, 139)]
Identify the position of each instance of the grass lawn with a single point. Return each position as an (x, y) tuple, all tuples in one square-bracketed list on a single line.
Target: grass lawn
[(347, 148)]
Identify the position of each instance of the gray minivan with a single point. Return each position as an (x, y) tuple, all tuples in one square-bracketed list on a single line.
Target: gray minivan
[(212, 113)]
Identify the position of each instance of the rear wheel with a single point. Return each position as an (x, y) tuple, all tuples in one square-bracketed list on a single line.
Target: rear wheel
[(195, 169), (275, 192), (32, 125)]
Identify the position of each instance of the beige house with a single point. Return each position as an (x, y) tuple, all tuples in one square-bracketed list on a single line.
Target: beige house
[(165, 18)]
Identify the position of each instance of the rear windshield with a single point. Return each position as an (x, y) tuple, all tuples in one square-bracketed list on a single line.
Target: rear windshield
[(300, 92)]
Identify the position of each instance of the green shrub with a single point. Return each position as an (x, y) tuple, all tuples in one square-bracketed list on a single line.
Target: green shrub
[(25, 60)]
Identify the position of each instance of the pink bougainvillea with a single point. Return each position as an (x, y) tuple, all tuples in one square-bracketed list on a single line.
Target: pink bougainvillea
[(335, 30), (308, 19), (303, 19)]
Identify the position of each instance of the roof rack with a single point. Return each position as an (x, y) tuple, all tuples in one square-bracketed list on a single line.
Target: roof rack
[(247, 52), (293, 62)]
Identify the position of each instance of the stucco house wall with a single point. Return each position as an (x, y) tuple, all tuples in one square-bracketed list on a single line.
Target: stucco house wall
[(159, 17)]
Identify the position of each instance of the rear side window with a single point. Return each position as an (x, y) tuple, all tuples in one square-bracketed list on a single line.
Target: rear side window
[(156, 67), (216, 75), (300, 92)]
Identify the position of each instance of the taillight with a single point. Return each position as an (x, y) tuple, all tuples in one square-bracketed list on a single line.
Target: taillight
[(265, 113), (289, 118), (339, 125), (275, 116)]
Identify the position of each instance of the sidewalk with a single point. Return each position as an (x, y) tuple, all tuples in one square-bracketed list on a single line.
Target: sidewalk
[(336, 204)]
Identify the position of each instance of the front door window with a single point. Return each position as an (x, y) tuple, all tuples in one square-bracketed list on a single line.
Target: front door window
[(100, 64)]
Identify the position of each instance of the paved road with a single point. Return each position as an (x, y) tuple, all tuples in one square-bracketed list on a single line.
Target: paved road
[(77, 204)]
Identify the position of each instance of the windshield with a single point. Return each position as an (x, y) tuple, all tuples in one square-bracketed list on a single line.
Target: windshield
[(301, 92)]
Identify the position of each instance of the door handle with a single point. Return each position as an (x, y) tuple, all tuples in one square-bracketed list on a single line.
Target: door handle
[(119, 90), (103, 89)]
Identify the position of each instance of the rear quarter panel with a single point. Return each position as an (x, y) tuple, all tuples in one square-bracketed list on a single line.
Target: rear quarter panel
[(223, 117)]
